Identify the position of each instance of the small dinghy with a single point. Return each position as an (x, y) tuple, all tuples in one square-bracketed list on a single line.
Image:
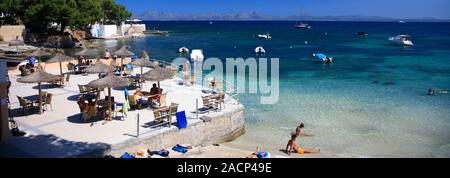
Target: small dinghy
[(265, 36), (322, 58), (183, 50), (260, 50)]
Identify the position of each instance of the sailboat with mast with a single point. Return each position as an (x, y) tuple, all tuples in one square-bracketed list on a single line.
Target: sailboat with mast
[(301, 25)]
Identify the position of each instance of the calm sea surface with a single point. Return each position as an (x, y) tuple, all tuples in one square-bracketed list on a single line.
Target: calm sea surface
[(370, 102)]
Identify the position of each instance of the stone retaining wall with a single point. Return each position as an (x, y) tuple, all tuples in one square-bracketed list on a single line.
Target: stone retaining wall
[(224, 127), (9, 32)]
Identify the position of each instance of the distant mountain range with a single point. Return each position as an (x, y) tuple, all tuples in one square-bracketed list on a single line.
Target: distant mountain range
[(254, 16)]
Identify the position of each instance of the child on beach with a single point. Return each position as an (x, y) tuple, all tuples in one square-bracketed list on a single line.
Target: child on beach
[(298, 131), (292, 147)]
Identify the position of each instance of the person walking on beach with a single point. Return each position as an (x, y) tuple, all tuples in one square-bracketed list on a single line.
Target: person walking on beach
[(298, 131), (292, 147), (107, 55)]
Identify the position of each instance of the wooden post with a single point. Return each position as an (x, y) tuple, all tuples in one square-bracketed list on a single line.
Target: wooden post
[(196, 108), (109, 105), (121, 66), (39, 99), (62, 76), (137, 130)]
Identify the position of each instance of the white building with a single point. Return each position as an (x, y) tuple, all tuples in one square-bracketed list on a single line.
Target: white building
[(114, 31)]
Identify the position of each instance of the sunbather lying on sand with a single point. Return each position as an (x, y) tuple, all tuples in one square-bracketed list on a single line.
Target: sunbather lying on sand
[(292, 147)]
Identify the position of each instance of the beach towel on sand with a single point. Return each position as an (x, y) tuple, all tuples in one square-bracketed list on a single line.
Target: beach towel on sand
[(163, 153), (127, 155), (179, 148)]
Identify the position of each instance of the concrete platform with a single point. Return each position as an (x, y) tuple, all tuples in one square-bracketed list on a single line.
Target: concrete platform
[(61, 133)]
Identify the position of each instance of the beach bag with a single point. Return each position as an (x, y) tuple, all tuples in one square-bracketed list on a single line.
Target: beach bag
[(181, 120), (179, 148), (163, 153), (205, 119), (127, 155)]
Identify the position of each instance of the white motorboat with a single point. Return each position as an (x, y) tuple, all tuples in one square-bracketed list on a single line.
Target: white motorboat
[(183, 50), (265, 36), (197, 55), (404, 40), (260, 50)]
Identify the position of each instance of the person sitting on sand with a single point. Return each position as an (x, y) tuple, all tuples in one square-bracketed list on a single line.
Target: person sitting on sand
[(292, 147), (298, 131)]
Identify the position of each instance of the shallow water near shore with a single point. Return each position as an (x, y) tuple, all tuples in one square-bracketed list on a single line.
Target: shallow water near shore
[(371, 102)]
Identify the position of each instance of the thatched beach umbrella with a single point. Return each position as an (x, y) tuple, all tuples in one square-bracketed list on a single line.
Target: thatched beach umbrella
[(123, 52), (159, 74), (38, 77), (39, 53), (88, 52), (99, 68), (60, 58), (142, 62), (110, 81)]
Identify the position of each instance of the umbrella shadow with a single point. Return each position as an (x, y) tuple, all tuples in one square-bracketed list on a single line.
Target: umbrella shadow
[(51, 146), (46, 86), (121, 88), (77, 119), (18, 112), (74, 97)]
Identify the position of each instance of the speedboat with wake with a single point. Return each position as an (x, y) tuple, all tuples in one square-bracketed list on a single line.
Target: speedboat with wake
[(404, 40), (320, 57)]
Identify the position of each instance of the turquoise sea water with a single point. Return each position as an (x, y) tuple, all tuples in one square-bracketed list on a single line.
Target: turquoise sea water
[(370, 102)]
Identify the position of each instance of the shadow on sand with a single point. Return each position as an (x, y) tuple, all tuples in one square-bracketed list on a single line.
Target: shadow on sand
[(47, 86), (50, 146)]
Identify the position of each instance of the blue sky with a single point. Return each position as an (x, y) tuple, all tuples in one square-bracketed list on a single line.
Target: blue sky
[(385, 8)]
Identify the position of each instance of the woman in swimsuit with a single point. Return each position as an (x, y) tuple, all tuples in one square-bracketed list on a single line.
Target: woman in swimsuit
[(292, 147)]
